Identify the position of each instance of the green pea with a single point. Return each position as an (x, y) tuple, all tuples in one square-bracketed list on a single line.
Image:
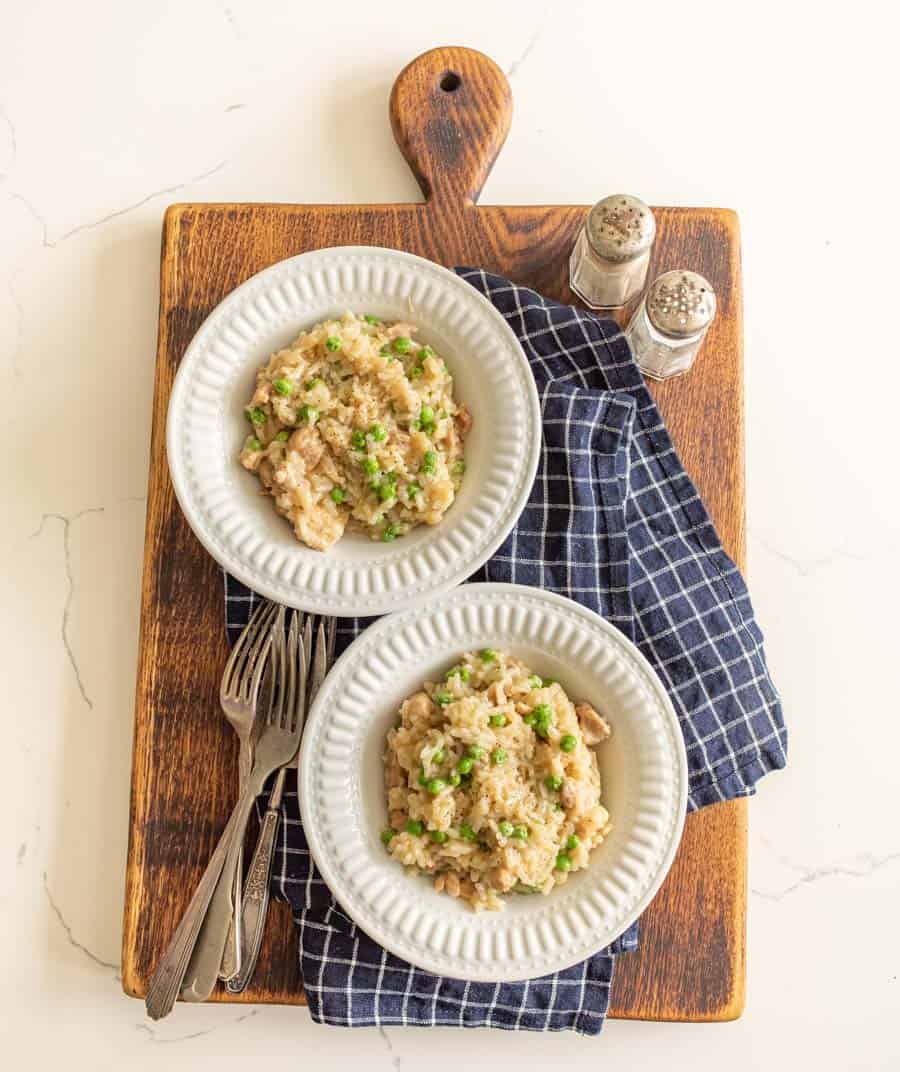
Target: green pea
[(505, 827), (415, 827), (438, 757), (435, 785), (498, 757), (413, 489), (385, 492), (442, 698), (314, 382), (370, 465), (466, 832), (465, 765), (521, 833), (465, 673), (283, 436), (283, 387), (386, 835), (535, 682), (358, 440), (438, 836), (254, 444), (568, 743), (426, 351), (558, 807), (338, 495), (391, 478), (308, 413), (475, 751), (553, 782), (529, 718), (423, 778), (429, 461), (369, 319), (542, 718), (455, 778), (563, 863), (390, 533), (256, 416), (333, 343), (415, 372), (402, 345), (378, 432), (457, 469), (385, 351), (573, 841), (426, 416), (498, 720), (488, 655)]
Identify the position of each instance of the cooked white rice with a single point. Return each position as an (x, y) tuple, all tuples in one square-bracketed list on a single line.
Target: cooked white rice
[(355, 426), (491, 784)]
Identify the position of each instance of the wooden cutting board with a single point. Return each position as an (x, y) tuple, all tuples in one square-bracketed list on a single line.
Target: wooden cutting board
[(450, 111)]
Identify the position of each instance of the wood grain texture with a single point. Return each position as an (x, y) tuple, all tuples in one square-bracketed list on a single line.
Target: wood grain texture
[(691, 962)]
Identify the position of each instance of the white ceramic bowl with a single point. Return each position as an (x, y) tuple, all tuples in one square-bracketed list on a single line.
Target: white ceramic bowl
[(206, 427), (342, 797)]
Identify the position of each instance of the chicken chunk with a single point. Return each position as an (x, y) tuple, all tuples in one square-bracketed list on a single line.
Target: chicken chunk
[(464, 421), (594, 727), (308, 444)]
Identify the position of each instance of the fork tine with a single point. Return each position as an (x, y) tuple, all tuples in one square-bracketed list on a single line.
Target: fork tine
[(243, 641), (291, 667), (296, 724), (278, 660), (251, 667), (237, 661), (331, 630), (284, 669)]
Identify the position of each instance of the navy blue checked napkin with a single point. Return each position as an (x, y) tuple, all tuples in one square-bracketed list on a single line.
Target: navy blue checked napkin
[(614, 522)]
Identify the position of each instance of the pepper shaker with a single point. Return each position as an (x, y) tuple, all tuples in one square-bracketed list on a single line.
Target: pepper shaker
[(608, 265), (669, 325)]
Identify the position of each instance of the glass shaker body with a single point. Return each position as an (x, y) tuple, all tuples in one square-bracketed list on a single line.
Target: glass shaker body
[(669, 326), (608, 265), (603, 284)]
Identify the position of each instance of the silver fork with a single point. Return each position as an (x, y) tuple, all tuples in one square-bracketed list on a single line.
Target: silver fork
[(256, 887), (245, 669), (240, 709), (277, 745)]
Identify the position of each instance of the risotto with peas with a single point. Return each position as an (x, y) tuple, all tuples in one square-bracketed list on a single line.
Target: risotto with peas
[(492, 784), (354, 426)]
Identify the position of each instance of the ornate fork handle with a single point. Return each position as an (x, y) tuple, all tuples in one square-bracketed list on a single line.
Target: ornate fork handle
[(256, 895)]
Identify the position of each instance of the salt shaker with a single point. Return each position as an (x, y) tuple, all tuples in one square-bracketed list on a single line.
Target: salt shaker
[(669, 325), (608, 265)]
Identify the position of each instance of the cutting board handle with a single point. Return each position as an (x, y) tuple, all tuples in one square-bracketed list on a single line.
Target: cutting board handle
[(451, 109)]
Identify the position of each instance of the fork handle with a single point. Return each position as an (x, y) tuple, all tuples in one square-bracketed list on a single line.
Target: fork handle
[(203, 966), (167, 978), (231, 957), (255, 906)]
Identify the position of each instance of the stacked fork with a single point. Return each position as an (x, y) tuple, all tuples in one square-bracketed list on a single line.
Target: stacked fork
[(218, 915)]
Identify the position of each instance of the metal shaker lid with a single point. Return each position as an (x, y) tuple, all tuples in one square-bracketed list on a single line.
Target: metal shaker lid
[(681, 303), (620, 228)]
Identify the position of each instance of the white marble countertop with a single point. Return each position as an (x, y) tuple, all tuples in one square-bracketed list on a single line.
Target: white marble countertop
[(110, 111)]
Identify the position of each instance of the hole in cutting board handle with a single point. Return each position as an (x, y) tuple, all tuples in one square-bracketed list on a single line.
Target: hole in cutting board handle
[(450, 82)]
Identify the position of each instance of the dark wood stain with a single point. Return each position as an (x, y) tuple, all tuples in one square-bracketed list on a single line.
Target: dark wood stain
[(691, 962)]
